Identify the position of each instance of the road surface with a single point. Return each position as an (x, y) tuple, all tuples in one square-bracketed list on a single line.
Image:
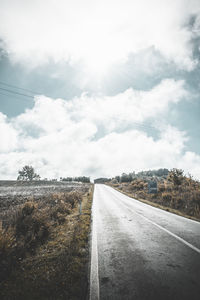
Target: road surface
[(141, 252)]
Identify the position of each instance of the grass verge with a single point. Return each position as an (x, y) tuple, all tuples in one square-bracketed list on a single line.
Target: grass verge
[(58, 267), (154, 204)]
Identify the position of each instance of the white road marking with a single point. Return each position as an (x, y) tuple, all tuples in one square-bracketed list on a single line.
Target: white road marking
[(166, 230), (94, 273), (160, 227), (171, 233), (155, 208)]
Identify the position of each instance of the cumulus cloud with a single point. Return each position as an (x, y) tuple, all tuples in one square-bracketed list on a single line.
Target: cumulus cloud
[(129, 107), (96, 136), (9, 136), (98, 33)]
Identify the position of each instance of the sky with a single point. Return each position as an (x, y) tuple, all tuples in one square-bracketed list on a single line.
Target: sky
[(98, 88)]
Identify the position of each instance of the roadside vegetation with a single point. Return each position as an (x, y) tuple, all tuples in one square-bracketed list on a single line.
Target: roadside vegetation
[(27, 173), (176, 192), (44, 245), (83, 179)]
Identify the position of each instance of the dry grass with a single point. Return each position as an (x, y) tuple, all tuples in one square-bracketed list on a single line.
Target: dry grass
[(44, 246), (183, 199)]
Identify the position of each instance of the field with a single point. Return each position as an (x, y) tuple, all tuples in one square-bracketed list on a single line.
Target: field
[(44, 249)]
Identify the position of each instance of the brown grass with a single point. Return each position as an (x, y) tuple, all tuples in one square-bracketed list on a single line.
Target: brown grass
[(183, 199), (53, 238)]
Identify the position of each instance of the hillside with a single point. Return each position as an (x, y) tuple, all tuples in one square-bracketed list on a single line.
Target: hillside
[(175, 192)]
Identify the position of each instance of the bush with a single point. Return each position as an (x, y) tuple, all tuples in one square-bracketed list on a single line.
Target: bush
[(161, 188), (196, 197), (73, 198), (27, 222), (59, 211), (176, 176), (7, 252), (28, 208), (27, 231), (31, 227), (138, 185), (167, 197), (177, 191)]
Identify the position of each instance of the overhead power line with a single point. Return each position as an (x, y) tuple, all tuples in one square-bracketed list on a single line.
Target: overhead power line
[(15, 97), (14, 92), (138, 124), (20, 88)]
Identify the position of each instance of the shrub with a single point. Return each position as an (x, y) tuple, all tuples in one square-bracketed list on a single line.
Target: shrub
[(31, 228), (161, 188), (167, 197), (196, 197), (59, 211), (28, 208), (141, 194), (73, 198), (7, 252), (27, 225), (176, 176)]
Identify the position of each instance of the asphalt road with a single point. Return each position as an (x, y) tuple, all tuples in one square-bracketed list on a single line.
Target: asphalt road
[(141, 252)]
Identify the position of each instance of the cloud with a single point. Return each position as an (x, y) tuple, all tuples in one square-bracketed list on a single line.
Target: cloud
[(98, 33), (129, 107), (96, 136), (9, 136)]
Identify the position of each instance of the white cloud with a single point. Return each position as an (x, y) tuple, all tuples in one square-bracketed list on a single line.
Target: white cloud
[(97, 33), (191, 162), (9, 135), (128, 107), (96, 136)]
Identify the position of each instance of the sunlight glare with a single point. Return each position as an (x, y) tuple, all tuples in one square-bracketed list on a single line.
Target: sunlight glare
[(98, 47)]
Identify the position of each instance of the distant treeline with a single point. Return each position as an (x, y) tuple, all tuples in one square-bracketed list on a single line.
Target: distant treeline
[(131, 176), (158, 173), (83, 179), (102, 180)]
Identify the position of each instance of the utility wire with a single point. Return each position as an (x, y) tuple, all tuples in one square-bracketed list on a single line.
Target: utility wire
[(15, 97), (137, 124), (14, 92), (20, 88)]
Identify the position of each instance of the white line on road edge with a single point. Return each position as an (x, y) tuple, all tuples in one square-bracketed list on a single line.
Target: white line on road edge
[(169, 232), (94, 274), (172, 234), (164, 229)]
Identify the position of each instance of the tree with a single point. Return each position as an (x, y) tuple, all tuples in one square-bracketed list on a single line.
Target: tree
[(176, 176), (117, 178), (126, 177), (28, 174)]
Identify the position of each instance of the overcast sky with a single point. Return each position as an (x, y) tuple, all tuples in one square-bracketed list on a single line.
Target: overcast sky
[(108, 86)]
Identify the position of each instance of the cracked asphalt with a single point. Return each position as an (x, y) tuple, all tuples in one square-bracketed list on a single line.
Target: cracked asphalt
[(142, 252)]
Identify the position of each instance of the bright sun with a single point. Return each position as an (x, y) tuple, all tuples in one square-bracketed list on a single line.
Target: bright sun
[(97, 43), (97, 47), (97, 54)]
